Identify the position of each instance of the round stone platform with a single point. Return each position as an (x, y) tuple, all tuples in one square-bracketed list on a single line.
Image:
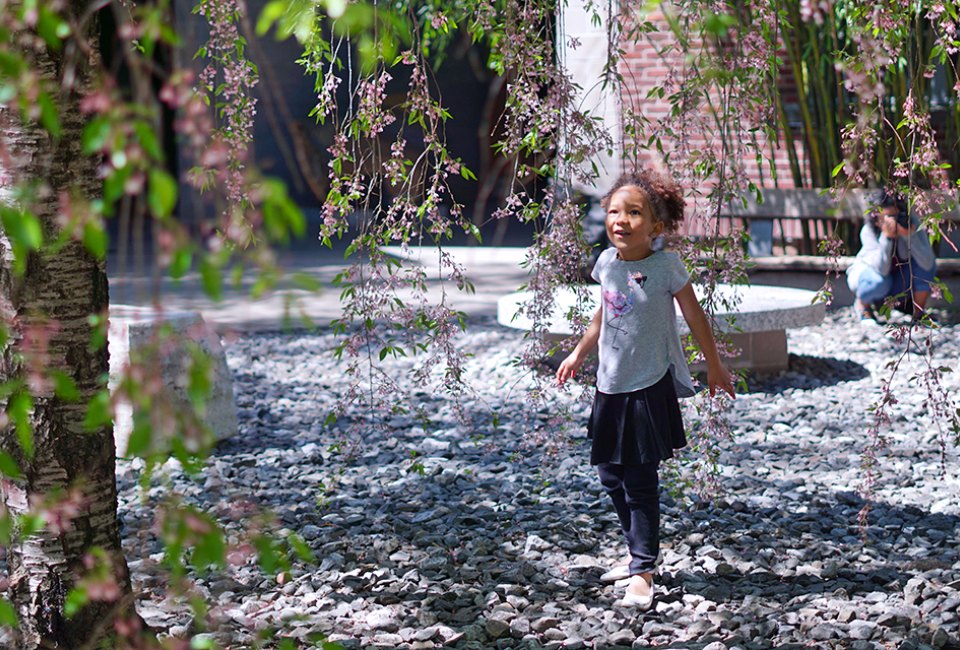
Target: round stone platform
[(756, 323)]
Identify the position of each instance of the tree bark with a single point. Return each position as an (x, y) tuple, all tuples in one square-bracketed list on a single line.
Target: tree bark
[(56, 297)]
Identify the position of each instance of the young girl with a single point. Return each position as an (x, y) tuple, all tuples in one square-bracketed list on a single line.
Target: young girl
[(636, 420)]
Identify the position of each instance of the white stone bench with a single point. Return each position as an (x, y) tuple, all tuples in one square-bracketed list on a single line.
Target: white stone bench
[(757, 326), (141, 330)]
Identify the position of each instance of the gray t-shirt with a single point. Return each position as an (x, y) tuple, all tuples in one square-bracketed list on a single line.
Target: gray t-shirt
[(639, 341)]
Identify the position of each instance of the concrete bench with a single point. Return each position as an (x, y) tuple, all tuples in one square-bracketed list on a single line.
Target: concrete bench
[(163, 341), (757, 326)]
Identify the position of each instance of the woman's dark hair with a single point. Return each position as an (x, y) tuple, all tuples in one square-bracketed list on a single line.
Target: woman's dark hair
[(664, 193), (890, 198)]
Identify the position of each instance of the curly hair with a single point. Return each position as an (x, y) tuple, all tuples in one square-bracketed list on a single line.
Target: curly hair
[(664, 194)]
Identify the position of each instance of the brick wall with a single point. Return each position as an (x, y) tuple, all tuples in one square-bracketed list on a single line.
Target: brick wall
[(644, 69)]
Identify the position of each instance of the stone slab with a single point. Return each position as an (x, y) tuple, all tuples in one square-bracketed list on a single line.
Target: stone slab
[(165, 342), (759, 351), (755, 308)]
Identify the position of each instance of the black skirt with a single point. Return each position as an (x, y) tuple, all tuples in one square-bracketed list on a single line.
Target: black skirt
[(644, 426)]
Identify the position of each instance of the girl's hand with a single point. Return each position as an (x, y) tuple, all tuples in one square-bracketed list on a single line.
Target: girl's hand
[(569, 368), (720, 377)]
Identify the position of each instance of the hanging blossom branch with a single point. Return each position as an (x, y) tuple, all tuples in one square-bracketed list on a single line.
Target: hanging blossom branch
[(720, 85), (389, 173), (552, 141), (227, 83), (880, 35)]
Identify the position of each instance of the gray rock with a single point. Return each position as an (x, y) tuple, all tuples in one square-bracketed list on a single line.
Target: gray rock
[(824, 632), (624, 637), (862, 630), (497, 531), (496, 628), (940, 638), (541, 625)]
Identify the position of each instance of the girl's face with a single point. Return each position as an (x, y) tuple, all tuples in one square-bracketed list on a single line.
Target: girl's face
[(631, 226)]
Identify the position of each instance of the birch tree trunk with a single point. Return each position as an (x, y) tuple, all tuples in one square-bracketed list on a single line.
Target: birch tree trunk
[(55, 298)]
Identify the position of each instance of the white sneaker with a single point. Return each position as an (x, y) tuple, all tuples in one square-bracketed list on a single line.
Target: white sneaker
[(616, 574)]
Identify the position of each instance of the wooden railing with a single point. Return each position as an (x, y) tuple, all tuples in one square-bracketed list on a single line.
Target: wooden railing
[(786, 227)]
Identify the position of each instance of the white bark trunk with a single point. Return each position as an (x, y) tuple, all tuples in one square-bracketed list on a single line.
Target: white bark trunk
[(63, 289)]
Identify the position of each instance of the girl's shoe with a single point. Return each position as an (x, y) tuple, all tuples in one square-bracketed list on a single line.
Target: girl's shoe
[(616, 574), (643, 603)]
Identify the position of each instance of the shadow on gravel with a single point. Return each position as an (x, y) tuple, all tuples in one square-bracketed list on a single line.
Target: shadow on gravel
[(807, 373)]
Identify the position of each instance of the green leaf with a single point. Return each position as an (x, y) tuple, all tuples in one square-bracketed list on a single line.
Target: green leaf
[(25, 233), (113, 186), (212, 278), (148, 140), (8, 466), (29, 524), (475, 231), (8, 615), (52, 28), (19, 408), (63, 386), (98, 338), (306, 282), (211, 550), (95, 239), (76, 599), (7, 527), (270, 560), (202, 643), (98, 412), (95, 135), (200, 380), (301, 548), (718, 24), (271, 13), (181, 262), (162, 193), (49, 114), (21, 227), (138, 444), (12, 64), (281, 215)]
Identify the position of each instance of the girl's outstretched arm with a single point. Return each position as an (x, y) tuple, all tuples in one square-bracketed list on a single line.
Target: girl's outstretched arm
[(587, 344), (717, 374)]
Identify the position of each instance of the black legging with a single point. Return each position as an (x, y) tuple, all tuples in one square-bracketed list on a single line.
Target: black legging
[(635, 492)]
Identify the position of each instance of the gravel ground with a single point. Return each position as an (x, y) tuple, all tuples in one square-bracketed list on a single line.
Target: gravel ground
[(464, 534)]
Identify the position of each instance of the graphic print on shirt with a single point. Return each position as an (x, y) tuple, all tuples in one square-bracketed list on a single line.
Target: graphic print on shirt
[(618, 305), (639, 278)]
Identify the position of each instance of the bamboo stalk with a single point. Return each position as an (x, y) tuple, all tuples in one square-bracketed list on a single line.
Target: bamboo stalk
[(793, 52)]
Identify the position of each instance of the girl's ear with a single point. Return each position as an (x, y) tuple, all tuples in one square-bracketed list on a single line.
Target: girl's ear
[(658, 228)]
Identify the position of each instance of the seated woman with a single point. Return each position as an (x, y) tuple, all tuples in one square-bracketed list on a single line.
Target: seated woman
[(895, 259)]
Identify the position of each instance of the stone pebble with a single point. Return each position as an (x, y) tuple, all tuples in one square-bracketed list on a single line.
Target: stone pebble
[(479, 523)]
